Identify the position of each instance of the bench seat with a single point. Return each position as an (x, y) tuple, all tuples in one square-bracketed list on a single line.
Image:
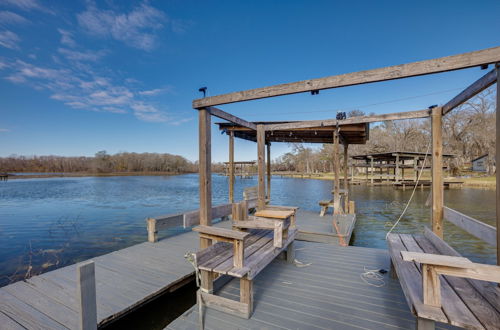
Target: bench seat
[(466, 303)]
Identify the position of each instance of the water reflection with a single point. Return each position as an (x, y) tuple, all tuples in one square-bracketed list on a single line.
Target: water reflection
[(53, 222)]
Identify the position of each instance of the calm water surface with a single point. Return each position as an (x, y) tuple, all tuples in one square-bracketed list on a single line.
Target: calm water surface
[(52, 222)]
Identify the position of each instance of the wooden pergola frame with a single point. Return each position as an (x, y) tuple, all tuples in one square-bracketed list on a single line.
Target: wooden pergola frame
[(206, 108)]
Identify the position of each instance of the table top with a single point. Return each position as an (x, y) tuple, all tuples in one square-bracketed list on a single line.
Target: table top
[(275, 214)]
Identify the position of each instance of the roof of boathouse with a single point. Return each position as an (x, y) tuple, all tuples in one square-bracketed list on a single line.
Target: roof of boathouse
[(349, 133)]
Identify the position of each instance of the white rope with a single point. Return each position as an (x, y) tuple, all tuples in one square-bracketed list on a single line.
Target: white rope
[(413, 192), (373, 275)]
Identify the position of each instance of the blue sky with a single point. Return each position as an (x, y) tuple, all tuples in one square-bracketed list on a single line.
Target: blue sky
[(77, 77)]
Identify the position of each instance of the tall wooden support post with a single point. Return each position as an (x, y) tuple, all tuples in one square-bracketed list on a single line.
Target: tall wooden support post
[(231, 167), (268, 170), (371, 170), (437, 171), (346, 166), (396, 173), (205, 160), (415, 168), (86, 294), (261, 146), (497, 156), (336, 168)]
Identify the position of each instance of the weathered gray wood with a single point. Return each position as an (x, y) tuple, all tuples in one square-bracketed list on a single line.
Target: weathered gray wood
[(261, 136), (437, 171), (86, 293), (25, 314), (477, 87), (349, 121), (497, 158), (268, 170), (221, 232), (486, 314), (457, 312), (410, 280), (443, 64), (205, 171), (225, 305), (57, 311), (192, 218), (231, 167), (474, 227), (424, 324), (8, 323), (229, 117)]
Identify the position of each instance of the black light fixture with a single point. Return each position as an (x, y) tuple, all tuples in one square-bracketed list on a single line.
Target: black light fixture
[(315, 92), (484, 66), (203, 90)]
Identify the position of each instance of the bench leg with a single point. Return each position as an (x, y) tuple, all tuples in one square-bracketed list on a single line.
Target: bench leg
[(201, 310), (246, 293), (323, 211), (290, 253), (206, 281), (425, 324)]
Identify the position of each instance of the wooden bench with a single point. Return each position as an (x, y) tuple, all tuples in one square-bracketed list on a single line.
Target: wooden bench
[(344, 203), (440, 285), (242, 254)]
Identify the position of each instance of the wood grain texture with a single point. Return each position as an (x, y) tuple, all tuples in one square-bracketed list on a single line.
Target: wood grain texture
[(497, 158), (205, 172), (481, 230), (443, 64), (231, 167), (477, 87), (261, 140), (437, 171), (349, 121), (229, 117), (86, 293)]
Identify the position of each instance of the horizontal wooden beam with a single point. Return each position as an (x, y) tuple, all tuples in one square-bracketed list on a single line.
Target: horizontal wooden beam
[(477, 87), (229, 117), (443, 64), (354, 120), (481, 230)]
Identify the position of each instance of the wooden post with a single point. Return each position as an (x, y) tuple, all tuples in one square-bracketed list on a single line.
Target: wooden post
[(231, 167), (437, 171), (336, 168), (402, 170), (268, 170), (396, 173), (86, 294), (261, 190), (205, 160), (346, 166), (246, 293), (415, 168), (497, 156), (371, 170), (152, 232)]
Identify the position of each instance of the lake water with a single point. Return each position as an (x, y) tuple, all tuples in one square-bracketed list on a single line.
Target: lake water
[(53, 222)]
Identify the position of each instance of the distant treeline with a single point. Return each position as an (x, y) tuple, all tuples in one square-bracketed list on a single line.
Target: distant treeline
[(102, 162)]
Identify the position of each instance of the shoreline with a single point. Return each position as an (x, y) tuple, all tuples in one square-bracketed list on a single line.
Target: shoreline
[(90, 174), (474, 182)]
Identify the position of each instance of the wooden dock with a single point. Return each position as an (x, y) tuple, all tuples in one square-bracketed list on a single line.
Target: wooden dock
[(324, 292), (313, 228), (125, 279)]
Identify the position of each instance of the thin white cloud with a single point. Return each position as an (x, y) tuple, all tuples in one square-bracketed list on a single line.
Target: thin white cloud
[(84, 89), (67, 38), (10, 18), (4, 130), (136, 29), (26, 5), (155, 91), (181, 121), (9, 39), (75, 55)]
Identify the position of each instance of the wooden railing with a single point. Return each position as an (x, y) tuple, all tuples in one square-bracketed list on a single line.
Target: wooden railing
[(185, 220), (474, 227)]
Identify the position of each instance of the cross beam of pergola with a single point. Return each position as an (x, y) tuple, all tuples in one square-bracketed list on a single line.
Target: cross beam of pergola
[(206, 108)]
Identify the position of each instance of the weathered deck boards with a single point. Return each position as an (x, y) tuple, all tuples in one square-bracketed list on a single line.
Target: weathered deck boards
[(313, 228), (125, 279), (327, 294)]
